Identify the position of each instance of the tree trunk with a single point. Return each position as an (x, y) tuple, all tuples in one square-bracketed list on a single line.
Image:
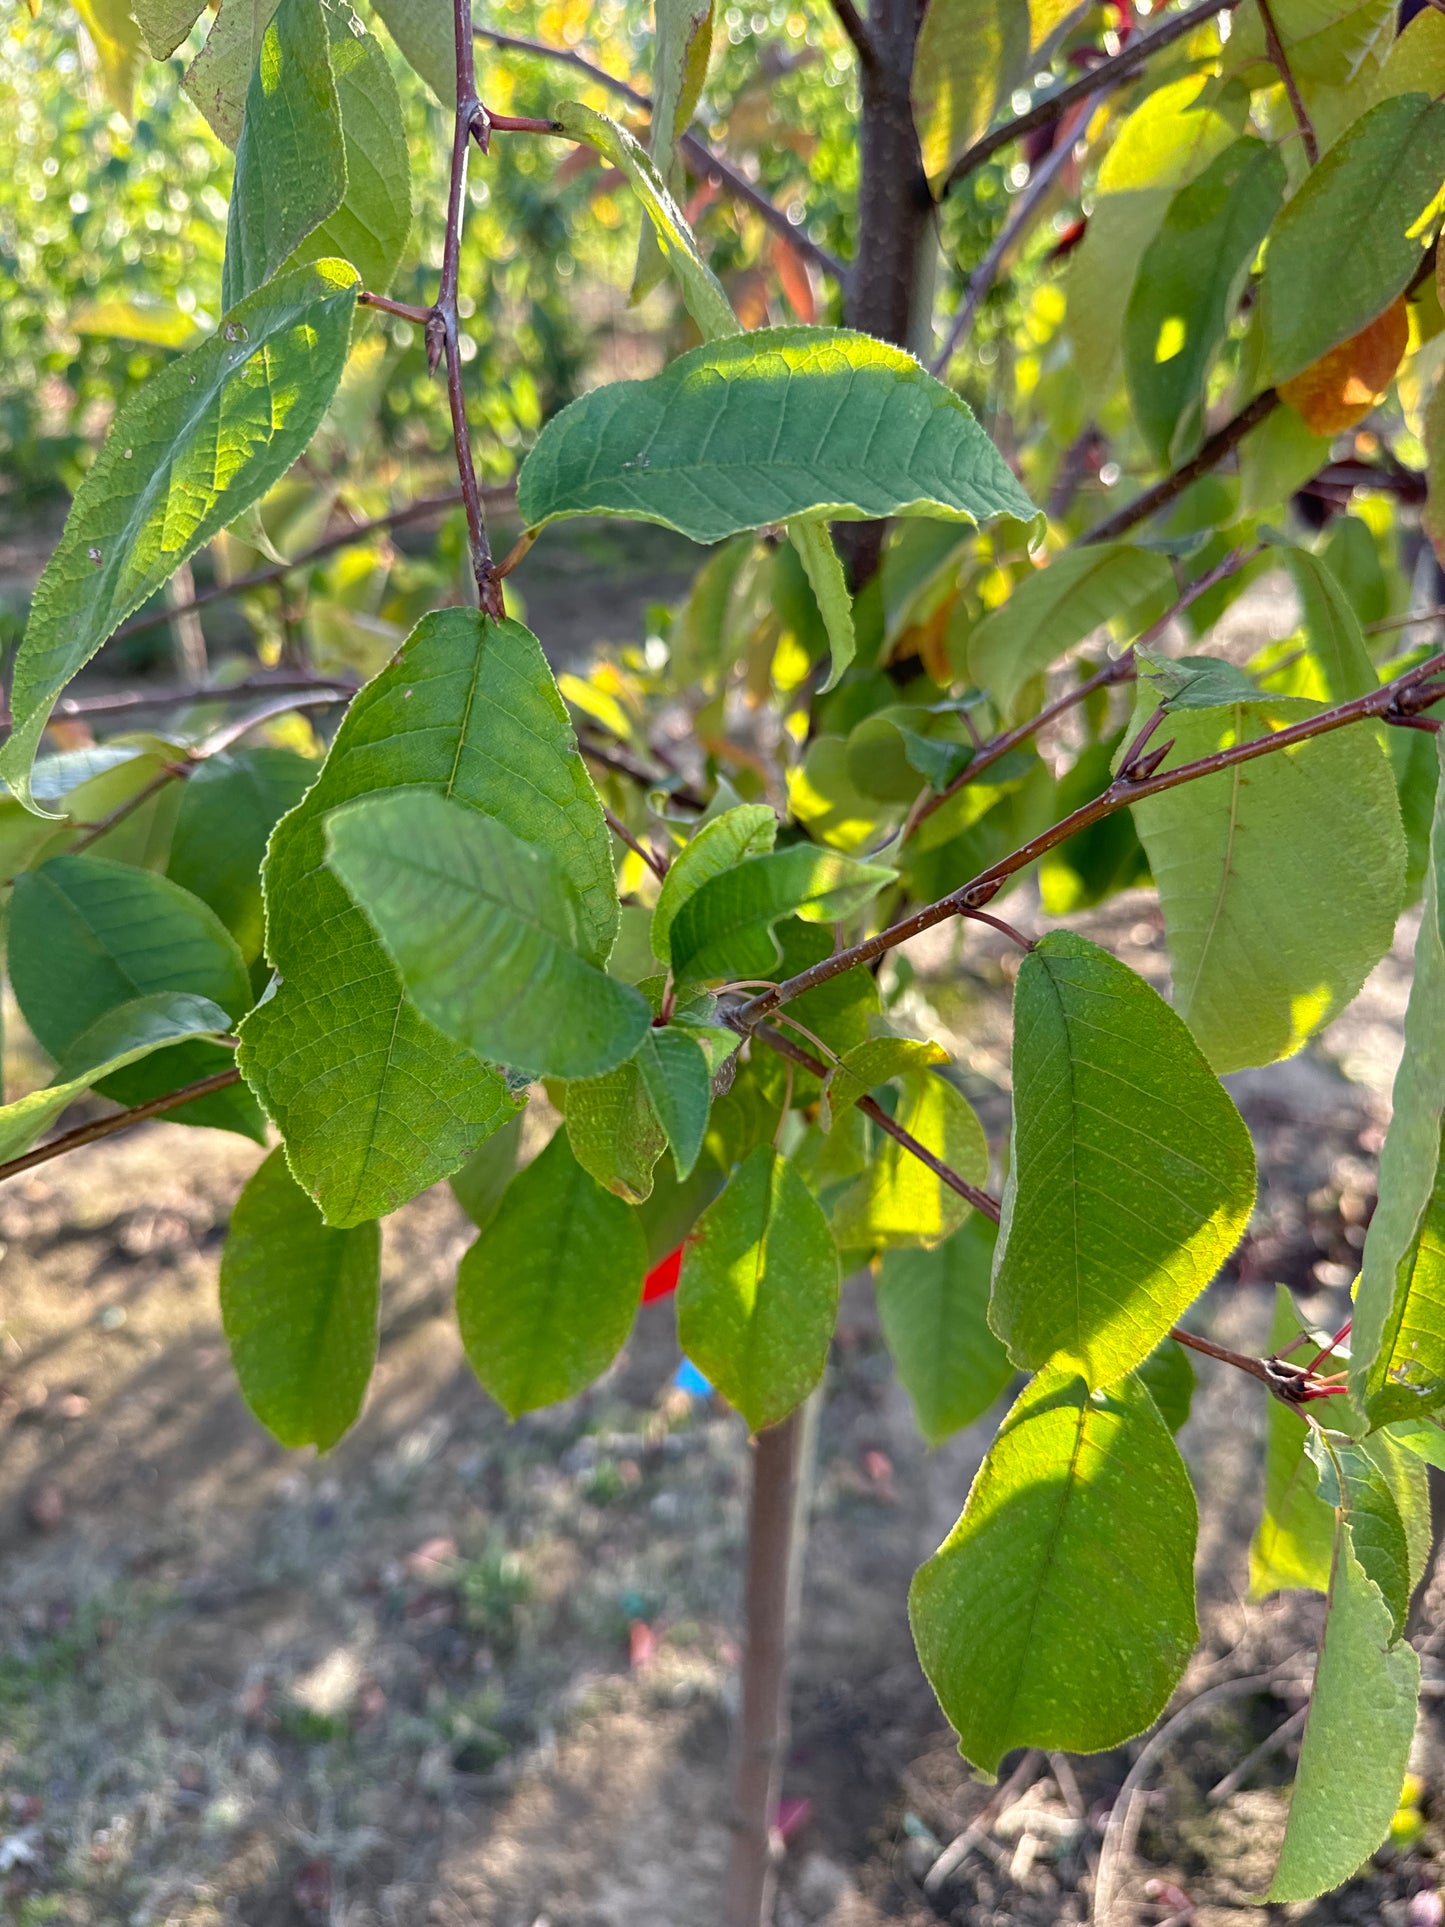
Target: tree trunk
[(891, 283)]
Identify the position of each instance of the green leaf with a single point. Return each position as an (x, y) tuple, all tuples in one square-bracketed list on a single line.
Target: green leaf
[(1325, 41), (1424, 1437), (680, 50), (933, 1307), (676, 1076), (898, 1200), (87, 936), (1362, 1711), (1262, 955), (1336, 640), (701, 290), (370, 227), (889, 750), (547, 1294), (485, 934), (165, 23), (1293, 1544), (1053, 608), (290, 163), (220, 74), (748, 830), (614, 1131), (866, 1066), (299, 1302), (1363, 1480), (1131, 1176), (425, 34), (117, 42), (1352, 237), (1188, 286), (1059, 1612), (724, 929), (1195, 682), (200, 442), (969, 56), (1172, 136), (1397, 1364), (120, 1038), (229, 806), (764, 427), (479, 1185), (375, 1104), (830, 588), (1169, 1378), (758, 1295)]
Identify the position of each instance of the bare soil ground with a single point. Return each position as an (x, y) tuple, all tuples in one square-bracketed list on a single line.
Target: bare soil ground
[(482, 1675)]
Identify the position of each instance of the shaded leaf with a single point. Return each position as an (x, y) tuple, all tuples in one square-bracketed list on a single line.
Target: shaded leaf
[(758, 1293), (614, 1131), (899, 1200), (290, 164), (1362, 1710), (1131, 1176), (229, 806), (1071, 1569), (1169, 1378), (1352, 237), (1293, 1544), (300, 1304), (1053, 608), (677, 1077), (370, 227), (1397, 1364), (165, 23), (1195, 682), (218, 77), (1190, 279), (547, 1294), (933, 1307), (724, 929), (120, 1038), (830, 588), (485, 933), (747, 830), (87, 935), (425, 34), (1262, 956), (767, 426), (194, 446), (1336, 640)]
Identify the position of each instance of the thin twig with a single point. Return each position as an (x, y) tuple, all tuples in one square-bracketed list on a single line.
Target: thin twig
[(406, 310), (612, 758), (1102, 78), (443, 339), (164, 777), (1221, 443), (1232, 1782), (122, 1121), (322, 689), (422, 510), (1120, 670), (1279, 60), (1122, 1829), (1391, 702), (785, 1047), (640, 850), (1024, 212), (856, 28), (705, 162), (997, 923)]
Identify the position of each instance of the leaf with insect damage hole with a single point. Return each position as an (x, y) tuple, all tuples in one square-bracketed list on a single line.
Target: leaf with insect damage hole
[(1071, 1570), (1132, 1174)]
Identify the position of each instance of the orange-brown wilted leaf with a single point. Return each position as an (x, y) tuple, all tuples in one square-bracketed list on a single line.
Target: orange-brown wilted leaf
[(1343, 386)]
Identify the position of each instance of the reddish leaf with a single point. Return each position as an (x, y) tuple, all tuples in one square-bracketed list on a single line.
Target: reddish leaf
[(1343, 386)]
